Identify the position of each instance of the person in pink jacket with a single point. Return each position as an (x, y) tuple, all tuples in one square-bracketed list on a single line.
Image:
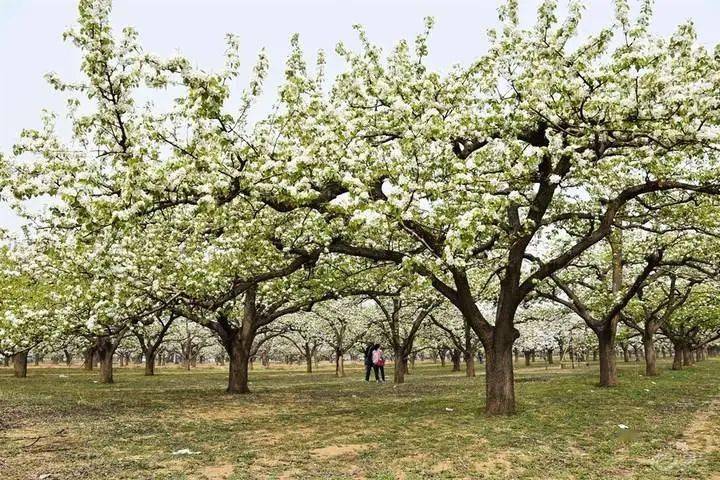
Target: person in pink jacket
[(378, 362)]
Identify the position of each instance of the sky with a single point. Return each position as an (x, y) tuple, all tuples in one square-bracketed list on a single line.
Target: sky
[(31, 42)]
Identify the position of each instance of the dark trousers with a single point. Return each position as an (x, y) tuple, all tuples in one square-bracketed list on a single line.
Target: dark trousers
[(382, 372), (368, 368)]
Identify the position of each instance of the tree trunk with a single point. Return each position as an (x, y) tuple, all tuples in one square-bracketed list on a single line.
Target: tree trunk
[(150, 363), (6, 361), (238, 345), (339, 364), (455, 356), (400, 367), (677, 357), (650, 355), (549, 354), (239, 365), (106, 350), (499, 381), (470, 363), (608, 368), (626, 353), (527, 357), (687, 357), (20, 364), (308, 359)]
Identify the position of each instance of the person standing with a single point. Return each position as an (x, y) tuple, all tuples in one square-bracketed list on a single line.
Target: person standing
[(369, 362), (378, 363)]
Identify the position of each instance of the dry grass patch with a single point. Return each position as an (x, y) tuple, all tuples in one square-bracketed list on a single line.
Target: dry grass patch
[(218, 472), (334, 451), (703, 434)]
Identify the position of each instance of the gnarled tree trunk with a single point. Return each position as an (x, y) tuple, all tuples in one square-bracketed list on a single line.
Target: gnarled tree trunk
[(239, 354), (608, 367), (455, 356), (88, 358), (150, 362), (106, 349), (20, 364), (677, 357), (650, 355), (499, 380)]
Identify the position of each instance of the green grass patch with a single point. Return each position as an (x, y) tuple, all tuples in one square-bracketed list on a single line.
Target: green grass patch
[(59, 422)]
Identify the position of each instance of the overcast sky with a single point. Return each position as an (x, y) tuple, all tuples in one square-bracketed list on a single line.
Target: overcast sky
[(31, 37)]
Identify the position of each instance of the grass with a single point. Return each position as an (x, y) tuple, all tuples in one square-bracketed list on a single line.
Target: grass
[(58, 422)]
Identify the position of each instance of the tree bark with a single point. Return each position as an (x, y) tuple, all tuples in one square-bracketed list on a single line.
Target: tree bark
[(150, 363), (499, 381), (339, 364), (687, 357), (650, 355), (626, 353), (470, 363), (400, 367), (527, 355), (239, 366), (549, 354), (455, 356), (88, 357), (20, 364), (608, 368), (308, 359), (677, 357), (106, 350)]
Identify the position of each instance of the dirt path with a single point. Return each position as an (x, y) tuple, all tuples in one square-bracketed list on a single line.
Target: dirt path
[(702, 435)]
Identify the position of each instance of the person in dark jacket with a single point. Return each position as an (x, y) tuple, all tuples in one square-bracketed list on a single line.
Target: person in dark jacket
[(369, 362)]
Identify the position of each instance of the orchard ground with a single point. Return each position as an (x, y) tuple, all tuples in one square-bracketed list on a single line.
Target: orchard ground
[(59, 423)]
